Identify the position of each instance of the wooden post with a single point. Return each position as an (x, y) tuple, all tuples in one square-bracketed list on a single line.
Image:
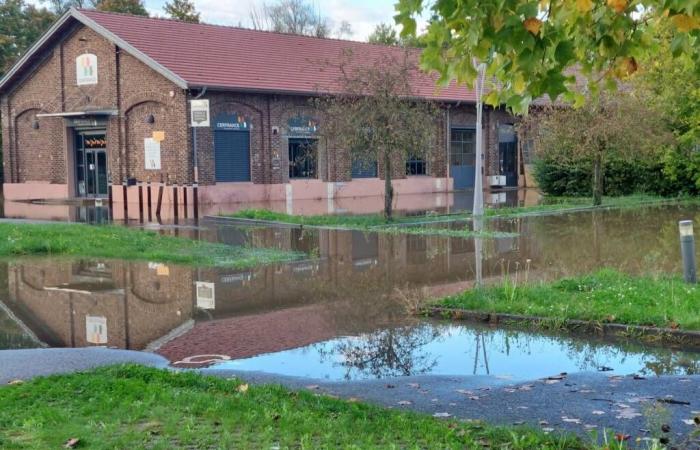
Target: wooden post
[(195, 200), (110, 201), (148, 197), (140, 203), (184, 201), (175, 205), (126, 201), (160, 201)]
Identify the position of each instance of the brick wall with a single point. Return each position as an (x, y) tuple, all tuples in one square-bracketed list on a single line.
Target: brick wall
[(124, 84)]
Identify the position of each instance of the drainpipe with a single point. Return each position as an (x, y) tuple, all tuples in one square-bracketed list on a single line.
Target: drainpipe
[(448, 138)]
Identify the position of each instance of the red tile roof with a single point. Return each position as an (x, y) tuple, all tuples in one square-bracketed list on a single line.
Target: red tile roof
[(242, 59)]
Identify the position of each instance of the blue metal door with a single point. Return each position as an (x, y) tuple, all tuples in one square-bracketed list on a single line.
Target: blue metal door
[(463, 157), (232, 155)]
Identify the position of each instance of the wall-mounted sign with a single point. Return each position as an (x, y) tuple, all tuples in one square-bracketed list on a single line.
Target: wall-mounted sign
[(96, 329), (159, 135), (199, 113), (205, 295), (233, 122), (86, 69), (151, 149), (302, 126)]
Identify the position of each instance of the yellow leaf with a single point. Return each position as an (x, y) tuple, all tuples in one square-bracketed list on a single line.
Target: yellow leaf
[(584, 5), (626, 67), (618, 5), (544, 4), (685, 23), (519, 84), (243, 388), (497, 21), (533, 25)]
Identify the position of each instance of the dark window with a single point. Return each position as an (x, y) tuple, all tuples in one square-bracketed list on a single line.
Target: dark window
[(364, 169), (416, 166), (463, 147), (302, 158)]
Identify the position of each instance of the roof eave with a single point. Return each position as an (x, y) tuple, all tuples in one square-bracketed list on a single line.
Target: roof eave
[(271, 91)]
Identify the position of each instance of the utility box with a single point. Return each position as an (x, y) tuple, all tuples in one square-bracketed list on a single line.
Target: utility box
[(497, 180)]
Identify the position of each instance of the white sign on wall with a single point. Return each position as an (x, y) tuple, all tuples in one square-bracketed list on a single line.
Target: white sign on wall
[(86, 69), (199, 113), (205, 295), (151, 149), (96, 329)]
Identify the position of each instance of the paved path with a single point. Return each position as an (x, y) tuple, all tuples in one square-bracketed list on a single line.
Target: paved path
[(25, 364), (581, 403)]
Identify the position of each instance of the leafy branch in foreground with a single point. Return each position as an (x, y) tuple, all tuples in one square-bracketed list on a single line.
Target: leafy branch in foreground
[(533, 48)]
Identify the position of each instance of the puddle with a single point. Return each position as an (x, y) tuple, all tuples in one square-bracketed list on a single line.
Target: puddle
[(356, 285), (430, 348)]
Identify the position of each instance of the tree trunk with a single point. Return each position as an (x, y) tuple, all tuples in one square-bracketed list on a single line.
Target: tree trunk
[(598, 178), (388, 190)]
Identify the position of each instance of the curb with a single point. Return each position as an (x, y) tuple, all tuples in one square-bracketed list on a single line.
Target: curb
[(668, 337)]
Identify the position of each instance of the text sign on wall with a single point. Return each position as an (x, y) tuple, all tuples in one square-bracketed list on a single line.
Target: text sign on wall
[(199, 113), (86, 69), (151, 153), (233, 122), (302, 126), (206, 299), (96, 329)]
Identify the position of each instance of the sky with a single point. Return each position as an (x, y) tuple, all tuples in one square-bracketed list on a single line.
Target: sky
[(363, 15)]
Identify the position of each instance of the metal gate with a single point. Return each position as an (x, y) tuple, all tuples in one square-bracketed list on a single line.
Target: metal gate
[(463, 157), (232, 155)]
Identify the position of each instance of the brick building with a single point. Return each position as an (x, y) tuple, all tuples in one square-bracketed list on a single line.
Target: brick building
[(104, 99)]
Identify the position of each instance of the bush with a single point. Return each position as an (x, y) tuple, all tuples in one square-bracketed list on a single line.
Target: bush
[(678, 173)]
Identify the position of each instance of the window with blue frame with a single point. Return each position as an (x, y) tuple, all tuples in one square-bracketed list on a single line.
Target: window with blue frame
[(416, 165)]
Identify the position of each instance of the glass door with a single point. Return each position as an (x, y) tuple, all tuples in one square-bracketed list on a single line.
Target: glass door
[(91, 164)]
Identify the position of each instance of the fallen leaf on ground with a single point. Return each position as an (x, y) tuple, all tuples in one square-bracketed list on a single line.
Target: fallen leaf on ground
[(353, 400), (242, 388), (597, 412), (312, 387), (474, 397), (15, 382), (442, 414), (414, 385), (689, 421), (71, 443), (629, 413), (547, 430), (463, 391), (621, 437), (570, 420), (404, 402)]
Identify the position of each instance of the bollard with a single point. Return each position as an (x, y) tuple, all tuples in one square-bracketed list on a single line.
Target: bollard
[(685, 228)]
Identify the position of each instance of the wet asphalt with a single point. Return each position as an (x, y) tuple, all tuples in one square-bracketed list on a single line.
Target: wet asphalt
[(582, 403)]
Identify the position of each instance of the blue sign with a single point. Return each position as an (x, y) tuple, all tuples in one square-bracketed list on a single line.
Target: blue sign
[(302, 126), (232, 122)]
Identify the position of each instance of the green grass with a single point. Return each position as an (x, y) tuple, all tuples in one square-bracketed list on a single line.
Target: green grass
[(114, 242), (605, 296), (136, 407), (372, 221)]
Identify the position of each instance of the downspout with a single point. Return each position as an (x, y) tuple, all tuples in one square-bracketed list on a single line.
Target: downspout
[(448, 139)]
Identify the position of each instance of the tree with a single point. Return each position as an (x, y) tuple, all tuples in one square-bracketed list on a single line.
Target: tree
[(61, 6), (384, 34), (377, 118), (22, 24), (291, 16), (344, 31), (532, 47), (183, 10), (623, 125), (134, 7)]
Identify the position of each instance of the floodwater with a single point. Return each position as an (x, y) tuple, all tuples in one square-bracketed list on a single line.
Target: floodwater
[(343, 312)]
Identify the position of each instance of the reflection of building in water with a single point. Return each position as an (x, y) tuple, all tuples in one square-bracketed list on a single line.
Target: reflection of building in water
[(348, 286), (74, 304)]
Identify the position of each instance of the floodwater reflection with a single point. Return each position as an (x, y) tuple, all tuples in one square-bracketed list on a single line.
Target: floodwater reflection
[(344, 310)]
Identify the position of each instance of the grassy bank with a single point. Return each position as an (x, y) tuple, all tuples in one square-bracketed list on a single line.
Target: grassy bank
[(136, 407), (75, 240), (371, 221), (605, 296)]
